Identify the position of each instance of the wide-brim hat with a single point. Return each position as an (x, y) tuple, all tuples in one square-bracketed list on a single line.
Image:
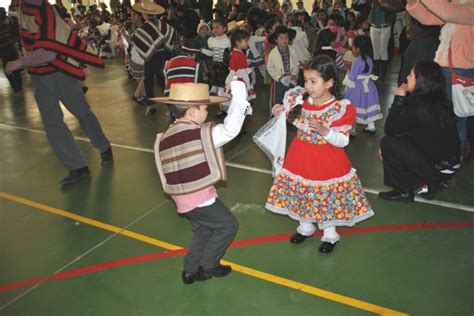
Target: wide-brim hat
[(190, 94), (148, 7), (281, 29), (233, 25)]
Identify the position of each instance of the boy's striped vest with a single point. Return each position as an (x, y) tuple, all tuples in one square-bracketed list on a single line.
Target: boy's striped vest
[(187, 160)]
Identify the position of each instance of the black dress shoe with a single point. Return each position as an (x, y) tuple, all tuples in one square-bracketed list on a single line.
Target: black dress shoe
[(76, 175), (85, 89), (433, 189), (398, 195), (107, 156), (297, 238), (189, 277), (219, 272), (326, 247)]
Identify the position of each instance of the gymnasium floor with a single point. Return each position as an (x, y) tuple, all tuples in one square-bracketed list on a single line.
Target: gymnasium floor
[(114, 245)]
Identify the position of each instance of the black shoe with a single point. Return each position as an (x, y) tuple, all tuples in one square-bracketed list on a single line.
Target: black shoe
[(107, 156), (433, 189), (396, 195), (85, 89), (297, 238), (189, 277), (219, 272), (76, 175), (326, 247)]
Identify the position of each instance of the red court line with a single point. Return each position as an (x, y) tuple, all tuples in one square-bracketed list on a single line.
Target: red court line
[(239, 243), (356, 230), (93, 268)]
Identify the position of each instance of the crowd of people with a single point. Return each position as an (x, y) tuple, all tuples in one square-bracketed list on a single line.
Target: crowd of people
[(321, 68)]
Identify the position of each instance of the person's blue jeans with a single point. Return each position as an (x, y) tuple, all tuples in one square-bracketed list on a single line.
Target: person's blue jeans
[(461, 122)]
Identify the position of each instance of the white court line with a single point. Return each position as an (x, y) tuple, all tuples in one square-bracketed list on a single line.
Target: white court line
[(457, 206)]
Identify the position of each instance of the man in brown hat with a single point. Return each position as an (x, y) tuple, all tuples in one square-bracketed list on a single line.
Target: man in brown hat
[(190, 160), (151, 40)]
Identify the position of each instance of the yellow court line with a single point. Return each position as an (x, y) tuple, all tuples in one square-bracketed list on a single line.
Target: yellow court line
[(242, 269)]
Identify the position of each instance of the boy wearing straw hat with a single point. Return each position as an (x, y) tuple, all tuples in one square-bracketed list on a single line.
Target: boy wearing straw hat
[(190, 160), (151, 40)]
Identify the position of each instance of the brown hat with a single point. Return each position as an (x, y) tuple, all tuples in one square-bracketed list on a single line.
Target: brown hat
[(190, 94), (148, 7)]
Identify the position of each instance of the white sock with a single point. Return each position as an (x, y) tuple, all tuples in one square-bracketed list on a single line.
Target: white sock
[(371, 126), (306, 229), (330, 235)]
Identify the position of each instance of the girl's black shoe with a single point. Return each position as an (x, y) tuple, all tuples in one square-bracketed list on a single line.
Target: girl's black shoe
[(326, 247), (297, 238)]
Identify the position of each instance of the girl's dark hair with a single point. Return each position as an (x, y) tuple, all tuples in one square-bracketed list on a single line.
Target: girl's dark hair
[(337, 18), (430, 92), (327, 68), (325, 38), (429, 79), (270, 23), (222, 22), (364, 43), (237, 36)]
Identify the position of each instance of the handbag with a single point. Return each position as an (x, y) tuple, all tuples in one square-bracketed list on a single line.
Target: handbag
[(462, 92)]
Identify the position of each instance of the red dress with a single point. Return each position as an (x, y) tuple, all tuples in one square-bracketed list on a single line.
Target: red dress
[(317, 182), (238, 67)]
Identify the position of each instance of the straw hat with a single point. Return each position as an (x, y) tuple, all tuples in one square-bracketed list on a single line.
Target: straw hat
[(232, 25), (148, 7), (190, 94)]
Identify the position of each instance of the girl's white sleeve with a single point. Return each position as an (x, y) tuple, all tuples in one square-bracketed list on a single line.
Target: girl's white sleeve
[(337, 139)]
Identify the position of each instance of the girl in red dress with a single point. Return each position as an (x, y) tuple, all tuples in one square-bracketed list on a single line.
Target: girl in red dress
[(238, 66), (317, 183)]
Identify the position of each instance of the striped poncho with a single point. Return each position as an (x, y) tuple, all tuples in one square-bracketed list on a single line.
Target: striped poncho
[(43, 27), (154, 35)]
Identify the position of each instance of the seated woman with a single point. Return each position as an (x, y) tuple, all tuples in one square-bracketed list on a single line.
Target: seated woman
[(421, 145)]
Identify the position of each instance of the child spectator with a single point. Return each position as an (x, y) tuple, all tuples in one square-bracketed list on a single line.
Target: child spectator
[(361, 90), (282, 64), (326, 39), (238, 66), (219, 49)]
